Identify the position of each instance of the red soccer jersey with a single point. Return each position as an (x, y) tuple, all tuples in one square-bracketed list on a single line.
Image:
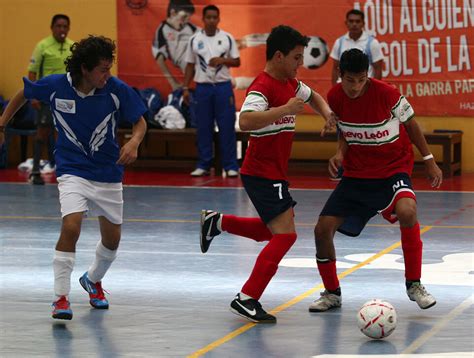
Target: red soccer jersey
[(372, 125), (270, 147)]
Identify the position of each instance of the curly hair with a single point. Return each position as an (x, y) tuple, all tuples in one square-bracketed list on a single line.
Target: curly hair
[(88, 53)]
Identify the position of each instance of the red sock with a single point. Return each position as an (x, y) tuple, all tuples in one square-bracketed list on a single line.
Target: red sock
[(328, 272), (412, 247), (267, 264), (253, 228)]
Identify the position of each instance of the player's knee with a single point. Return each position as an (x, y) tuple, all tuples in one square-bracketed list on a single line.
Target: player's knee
[(407, 216), (322, 234), (70, 231)]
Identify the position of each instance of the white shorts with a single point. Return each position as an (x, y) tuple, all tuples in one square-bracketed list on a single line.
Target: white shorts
[(75, 193)]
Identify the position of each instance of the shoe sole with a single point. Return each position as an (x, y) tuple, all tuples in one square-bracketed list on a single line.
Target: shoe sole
[(318, 310), (63, 315), (202, 238), (234, 311)]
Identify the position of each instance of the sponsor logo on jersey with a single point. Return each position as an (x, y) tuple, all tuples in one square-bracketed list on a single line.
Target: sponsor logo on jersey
[(381, 133), (65, 105), (285, 120)]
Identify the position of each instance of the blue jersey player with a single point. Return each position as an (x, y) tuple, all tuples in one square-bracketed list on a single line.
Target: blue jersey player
[(87, 102)]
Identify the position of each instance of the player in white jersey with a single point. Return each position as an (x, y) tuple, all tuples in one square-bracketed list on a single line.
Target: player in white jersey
[(356, 37), (86, 104), (210, 53), (172, 37)]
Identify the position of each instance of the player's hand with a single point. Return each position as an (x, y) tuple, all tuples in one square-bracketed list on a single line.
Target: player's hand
[(128, 153), (216, 61), (35, 104), (335, 163), (435, 175), (186, 96), (295, 105), (330, 125)]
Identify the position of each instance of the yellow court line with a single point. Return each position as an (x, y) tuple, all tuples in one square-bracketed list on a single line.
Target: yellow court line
[(297, 299), (16, 217), (468, 302)]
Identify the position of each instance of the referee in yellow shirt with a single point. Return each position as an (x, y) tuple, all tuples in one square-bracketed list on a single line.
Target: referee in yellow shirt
[(47, 59)]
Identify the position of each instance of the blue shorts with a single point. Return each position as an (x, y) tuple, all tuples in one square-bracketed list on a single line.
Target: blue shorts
[(269, 197), (357, 200)]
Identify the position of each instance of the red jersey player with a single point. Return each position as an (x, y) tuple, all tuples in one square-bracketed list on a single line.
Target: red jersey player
[(269, 111), (378, 128)]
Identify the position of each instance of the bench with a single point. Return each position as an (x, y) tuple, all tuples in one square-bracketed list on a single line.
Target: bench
[(450, 163)]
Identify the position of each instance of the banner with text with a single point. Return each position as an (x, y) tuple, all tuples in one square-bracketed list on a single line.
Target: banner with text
[(428, 45)]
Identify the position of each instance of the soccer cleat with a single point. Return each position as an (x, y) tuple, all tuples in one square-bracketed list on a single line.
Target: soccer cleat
[(209, 228), (325, 302), (96, 293), (251, 309), (62, 309), (35, 179), (417, 292), (199, 172), (232, 173)]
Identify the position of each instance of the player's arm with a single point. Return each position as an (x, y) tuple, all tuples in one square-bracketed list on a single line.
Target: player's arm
[(418, 139), (129, 151), (377, 66), (319, 105), (13, 106), (161, 61), (188, 76), (252, 120), (335, 162), (225, 61), (335, 71)]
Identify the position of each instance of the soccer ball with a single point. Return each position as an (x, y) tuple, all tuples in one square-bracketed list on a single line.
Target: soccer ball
[(316, 53), (377, 319)]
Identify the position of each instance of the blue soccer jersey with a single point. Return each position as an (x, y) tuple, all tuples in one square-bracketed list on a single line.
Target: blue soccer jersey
[(87, 124)]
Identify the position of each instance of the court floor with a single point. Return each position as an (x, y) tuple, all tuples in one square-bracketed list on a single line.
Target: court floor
[(169, 300)]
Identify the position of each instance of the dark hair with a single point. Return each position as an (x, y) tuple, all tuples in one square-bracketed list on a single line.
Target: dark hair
[(355, 12), (210, 8), (284, 39), (59, 17), (88, 53), (353, 61), (178, 5)]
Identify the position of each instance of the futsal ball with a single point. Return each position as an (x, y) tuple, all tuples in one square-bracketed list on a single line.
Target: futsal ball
[(316, 53), (377, 319)]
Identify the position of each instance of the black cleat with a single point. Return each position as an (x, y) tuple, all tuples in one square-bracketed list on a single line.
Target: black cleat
[(251, 309), (209, 228)]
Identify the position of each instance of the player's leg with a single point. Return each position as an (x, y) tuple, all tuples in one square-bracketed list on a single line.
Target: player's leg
[(412, 247), (43, 122), (213, 223), (274, 204), (224, 109), (73, 205), (203, 97), (109, 200), (326, 261)]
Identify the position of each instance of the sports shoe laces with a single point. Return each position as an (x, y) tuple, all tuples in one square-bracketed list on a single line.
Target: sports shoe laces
[(100, 291), (419, 289)]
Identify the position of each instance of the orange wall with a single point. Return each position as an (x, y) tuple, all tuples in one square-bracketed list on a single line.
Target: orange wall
[(25, 22)]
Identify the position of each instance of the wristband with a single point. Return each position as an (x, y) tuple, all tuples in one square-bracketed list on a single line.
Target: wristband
[(428, 157)]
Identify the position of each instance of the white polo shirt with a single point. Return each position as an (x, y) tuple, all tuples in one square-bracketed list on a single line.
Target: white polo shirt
[(366, 43), (201, 48)]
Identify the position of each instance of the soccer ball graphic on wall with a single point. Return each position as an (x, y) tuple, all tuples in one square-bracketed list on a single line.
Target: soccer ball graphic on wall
[(316, 53)]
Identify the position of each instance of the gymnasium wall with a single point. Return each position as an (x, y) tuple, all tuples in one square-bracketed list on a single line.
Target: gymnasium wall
[(24, 22)]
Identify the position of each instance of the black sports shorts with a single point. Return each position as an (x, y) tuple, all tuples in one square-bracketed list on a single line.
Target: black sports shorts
[(269, 197), (357, 200)]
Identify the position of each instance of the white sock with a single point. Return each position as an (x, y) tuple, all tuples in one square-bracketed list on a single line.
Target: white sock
[(244, 297), (103, 259), (63, 264), (219, 222)]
